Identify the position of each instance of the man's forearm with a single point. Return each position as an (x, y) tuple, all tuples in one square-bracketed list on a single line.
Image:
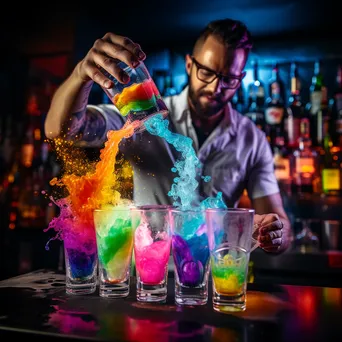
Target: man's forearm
[(71, 97)]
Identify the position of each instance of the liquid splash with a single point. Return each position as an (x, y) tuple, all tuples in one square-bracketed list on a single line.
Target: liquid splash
[(88, 186), (190, 243), (184, 187)]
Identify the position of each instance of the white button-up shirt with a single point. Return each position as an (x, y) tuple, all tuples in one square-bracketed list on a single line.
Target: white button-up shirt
[(236, 155)]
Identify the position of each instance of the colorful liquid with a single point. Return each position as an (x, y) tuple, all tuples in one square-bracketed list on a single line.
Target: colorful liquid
[(88, 187), (114, 235), (151, 255), (229, 271), (190, 248), (191, 259), (137, 97), (82, 265), (81, 251)]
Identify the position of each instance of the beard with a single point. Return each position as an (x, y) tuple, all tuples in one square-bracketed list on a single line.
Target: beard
[(206, 109)]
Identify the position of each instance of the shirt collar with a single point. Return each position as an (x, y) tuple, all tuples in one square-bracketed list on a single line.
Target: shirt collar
[(182, 113)]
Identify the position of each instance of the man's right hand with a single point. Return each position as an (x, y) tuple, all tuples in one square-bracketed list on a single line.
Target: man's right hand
[(106, 53)]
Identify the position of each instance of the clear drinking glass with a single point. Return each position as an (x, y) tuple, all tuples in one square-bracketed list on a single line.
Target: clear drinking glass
[(152, 244), (114, 236), (81, 261), (139, 99), (230, 240), (190, 251)]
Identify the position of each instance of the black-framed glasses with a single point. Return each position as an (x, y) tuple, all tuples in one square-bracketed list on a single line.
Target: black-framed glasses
[(207, 75)]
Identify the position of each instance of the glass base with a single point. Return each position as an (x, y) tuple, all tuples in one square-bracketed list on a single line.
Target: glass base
[(151, 293), (81, 289), (120, 290), (191, 295), (226, 304)]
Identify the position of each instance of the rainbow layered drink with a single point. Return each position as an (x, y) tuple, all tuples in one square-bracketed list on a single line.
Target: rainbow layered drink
[(230, 238), (114, 236), (229, 271), (139, 99)]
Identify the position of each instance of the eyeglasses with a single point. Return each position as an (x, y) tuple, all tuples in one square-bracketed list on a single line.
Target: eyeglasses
[(207, 75)]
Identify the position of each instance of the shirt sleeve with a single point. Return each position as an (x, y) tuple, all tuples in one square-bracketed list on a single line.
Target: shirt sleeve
[(90, 128), (261, 180)]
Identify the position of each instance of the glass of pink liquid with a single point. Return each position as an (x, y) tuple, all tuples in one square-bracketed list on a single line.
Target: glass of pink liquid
[(152, 245)]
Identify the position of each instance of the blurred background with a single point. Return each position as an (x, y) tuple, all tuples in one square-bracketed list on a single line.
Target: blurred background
[(294, 70)]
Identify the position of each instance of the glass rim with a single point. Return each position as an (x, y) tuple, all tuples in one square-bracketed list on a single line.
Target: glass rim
[(179, 210), (118, 208), (237, 210), (152, 207)]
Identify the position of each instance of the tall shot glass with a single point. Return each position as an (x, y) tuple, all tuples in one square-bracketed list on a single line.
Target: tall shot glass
[(152, 245), (114, 237), (139, 99), (81, 262), (230, 241), (190, 251)]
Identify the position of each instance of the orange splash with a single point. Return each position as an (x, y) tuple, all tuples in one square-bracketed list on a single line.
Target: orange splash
[(93, 189)]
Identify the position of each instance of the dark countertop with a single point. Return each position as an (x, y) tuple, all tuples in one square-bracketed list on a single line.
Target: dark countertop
[(322, 268), (35, 304)]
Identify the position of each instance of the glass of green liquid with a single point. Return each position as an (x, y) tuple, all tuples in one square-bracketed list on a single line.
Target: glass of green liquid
[(114, 238), (230, 241)]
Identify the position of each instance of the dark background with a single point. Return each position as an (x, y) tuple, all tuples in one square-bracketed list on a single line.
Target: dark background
[(283, 31)]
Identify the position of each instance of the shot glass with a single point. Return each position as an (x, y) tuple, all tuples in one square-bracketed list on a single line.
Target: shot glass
[(81, 261), (152, 245), (230, 241), (139, 99), (114, 237), (190, 251)]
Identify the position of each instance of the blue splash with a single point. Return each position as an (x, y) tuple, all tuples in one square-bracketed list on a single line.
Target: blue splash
[(184, 187)]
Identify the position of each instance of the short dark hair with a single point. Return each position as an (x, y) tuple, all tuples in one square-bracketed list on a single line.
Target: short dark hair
[(229, 31)]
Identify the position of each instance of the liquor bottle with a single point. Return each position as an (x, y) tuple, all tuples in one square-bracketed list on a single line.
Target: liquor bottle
[(306, 241), (256, 99), (238, 101), (281, 161), (274, 112), (256, 113), (169, 88), (318, 105), (304, 162), (336, 107), (256, 89), (331, 170), (295, 111), (27, 204), (316, 89), (9, 152)]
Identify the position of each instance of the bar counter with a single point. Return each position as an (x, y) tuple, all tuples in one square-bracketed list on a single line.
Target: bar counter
[(36, 305)]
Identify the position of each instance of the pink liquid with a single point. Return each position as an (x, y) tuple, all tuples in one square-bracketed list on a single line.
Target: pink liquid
[(152, 261)]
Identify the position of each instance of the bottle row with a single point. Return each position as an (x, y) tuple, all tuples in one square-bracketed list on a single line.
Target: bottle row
[(279, 116), (306, 139)]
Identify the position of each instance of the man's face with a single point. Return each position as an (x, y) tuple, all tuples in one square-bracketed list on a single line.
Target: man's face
[(209, 99)]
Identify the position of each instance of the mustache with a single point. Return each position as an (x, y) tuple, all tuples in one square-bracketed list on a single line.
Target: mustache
[(212, 95)]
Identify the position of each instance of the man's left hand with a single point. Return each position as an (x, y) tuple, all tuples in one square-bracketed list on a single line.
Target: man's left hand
[(270, 232)]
